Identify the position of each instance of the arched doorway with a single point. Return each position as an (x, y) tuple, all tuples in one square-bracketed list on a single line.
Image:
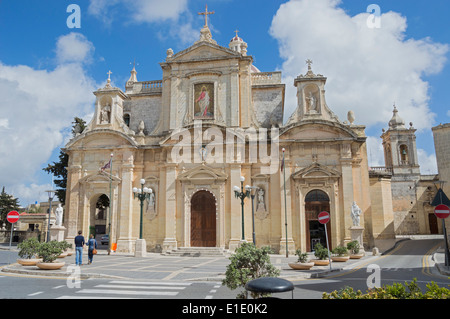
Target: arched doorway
[(99, 215), (316, 201), (203, 220)]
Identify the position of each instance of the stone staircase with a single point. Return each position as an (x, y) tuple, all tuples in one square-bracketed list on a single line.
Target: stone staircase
[(198, 252)]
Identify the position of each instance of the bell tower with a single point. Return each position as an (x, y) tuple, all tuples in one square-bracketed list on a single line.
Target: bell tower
[(399, 145)]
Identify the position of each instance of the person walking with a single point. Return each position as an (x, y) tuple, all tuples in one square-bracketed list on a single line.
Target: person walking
[(79, 243), (92, 245)]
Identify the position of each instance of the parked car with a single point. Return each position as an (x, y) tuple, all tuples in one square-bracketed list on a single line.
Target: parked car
[(104, 239)]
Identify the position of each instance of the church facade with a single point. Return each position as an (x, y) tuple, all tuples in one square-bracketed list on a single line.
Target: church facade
[(211, 126)]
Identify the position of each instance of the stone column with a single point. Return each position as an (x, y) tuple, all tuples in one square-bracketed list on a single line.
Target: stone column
[(72, 200), (170, 242), (286, 214), (234, 208), (128, 223)]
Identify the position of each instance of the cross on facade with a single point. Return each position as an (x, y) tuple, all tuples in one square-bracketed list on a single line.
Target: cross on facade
[(109, 75), (206, 13), (309, 62)]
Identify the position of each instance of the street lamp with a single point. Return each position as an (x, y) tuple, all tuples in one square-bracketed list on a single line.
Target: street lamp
[(239, 193), (252, 190), (51, 194), (142, 194)]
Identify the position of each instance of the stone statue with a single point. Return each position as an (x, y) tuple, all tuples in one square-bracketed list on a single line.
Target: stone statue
[(261, 206), (356, 213), (59, 215), (311, 102), (151, 202), (104, 116)]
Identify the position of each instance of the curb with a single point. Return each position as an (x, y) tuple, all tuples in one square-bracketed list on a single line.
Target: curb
[(32, 271)]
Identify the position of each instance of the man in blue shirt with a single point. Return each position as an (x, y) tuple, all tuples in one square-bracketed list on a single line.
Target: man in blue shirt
[(79, 243)]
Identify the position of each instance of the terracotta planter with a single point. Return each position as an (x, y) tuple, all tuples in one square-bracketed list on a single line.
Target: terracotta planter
[(28, 262), (321, 262), (69, 253), (50, 266), (340, 259), (65, 254), (357, 256), (301, 266)]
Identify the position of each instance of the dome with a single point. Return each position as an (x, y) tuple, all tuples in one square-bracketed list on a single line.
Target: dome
[(254, 69), (396, 121)]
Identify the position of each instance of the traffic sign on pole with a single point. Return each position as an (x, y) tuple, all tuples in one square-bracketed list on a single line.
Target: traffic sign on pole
[(12, 217), (324, 217), (442, 211)]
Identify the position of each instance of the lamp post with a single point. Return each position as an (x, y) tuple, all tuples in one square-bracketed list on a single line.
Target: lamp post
[(252, 190), (51, 194), (239, 193), (142, 194)]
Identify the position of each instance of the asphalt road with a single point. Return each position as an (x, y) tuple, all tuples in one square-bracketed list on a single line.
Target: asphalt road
[(410, 259)]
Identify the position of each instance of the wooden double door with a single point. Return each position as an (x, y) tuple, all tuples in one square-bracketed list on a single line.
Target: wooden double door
[(315, 231), (203, 220)]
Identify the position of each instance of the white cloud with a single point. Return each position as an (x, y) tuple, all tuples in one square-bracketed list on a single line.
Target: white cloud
[(428, 163), (74, 47), (375, 153), (367, 69), (156, 10), (138, 10), (37, 106)]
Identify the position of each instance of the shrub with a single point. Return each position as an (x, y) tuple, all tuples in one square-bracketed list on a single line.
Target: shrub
[(340, 251), (396, 291), (50, 251), (320, 252), (248, 263), (302, 257), (29, 248), (353, 247)]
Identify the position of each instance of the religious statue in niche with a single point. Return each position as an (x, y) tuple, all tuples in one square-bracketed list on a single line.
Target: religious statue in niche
[(261, 206), (151, 202), (204, 101), (311, 102), (356, 213), (105, 114)]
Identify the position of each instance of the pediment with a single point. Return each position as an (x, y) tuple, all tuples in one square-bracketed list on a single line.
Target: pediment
[(101, 139), (202, 174), (317, 130), (100, 177), (316, 171), (203, 51)]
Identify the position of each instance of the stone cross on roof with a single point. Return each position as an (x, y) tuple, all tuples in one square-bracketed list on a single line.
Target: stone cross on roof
[(206, 13)]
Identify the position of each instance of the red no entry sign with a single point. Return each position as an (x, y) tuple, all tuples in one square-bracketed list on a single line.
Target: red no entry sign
[(12, 217), (442, 211), (324, 217)]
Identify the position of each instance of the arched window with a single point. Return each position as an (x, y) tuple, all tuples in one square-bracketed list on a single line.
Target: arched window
[(404, 154), (126, 119), (317, 196)]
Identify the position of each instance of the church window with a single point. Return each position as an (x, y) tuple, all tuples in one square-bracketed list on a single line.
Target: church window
[(126, 119)]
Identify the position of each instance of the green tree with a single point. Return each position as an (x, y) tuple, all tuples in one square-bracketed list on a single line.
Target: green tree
[(7, 203), (58, 169), (248, 263)]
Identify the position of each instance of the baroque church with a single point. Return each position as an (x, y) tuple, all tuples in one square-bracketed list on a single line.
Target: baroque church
[(212, 129)]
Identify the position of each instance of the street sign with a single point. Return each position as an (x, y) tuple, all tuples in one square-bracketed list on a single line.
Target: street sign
[(12, 217), (442, 211), (324, 217)]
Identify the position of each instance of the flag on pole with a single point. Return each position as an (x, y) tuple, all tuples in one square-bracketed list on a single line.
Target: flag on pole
[(107, 165), (282, 161)]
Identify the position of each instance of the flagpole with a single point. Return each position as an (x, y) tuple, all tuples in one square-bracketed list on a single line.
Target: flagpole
[(110, 205), (285, 205)]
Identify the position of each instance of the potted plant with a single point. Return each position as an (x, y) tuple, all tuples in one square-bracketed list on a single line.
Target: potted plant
[(354, 249), (49, 253), (64, 246), (340, 254), (322, 255), (302, 261), (28, 250)]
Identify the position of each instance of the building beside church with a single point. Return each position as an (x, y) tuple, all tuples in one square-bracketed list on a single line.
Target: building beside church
[(213, 123)]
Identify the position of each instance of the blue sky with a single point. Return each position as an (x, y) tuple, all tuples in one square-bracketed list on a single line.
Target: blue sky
[(49, 71)]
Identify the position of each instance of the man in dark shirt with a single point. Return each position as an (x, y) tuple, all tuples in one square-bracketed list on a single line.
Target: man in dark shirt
[(79, 243)]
